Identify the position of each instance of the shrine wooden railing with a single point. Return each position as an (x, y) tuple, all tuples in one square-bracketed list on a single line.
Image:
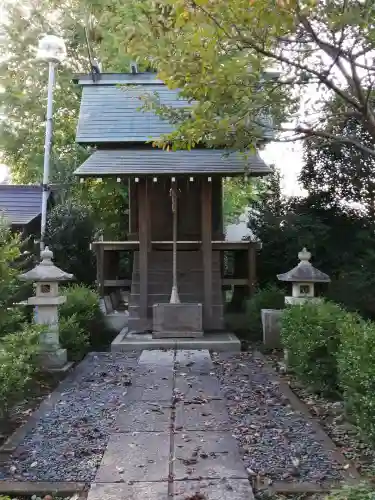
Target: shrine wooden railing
[(235, 272)]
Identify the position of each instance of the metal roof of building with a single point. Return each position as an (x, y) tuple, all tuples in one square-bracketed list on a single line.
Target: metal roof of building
[(160, 162), (20, 204), (111, 111)]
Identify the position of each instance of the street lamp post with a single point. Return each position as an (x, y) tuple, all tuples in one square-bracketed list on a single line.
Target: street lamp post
[(51, 49)]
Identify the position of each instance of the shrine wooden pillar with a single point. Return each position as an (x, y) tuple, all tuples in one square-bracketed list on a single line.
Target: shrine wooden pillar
[(143, 234), (252, 269), (206, 230)]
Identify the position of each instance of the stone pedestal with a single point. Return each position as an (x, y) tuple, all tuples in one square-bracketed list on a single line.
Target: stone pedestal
[(177, 320), (51, 356), (271, 328)]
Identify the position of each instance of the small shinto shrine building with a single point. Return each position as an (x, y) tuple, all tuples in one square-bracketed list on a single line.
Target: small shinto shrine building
[(111, 120)]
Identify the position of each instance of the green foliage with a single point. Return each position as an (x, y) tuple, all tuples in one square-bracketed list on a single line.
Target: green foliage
[(82, 308), (221, 59), (340, 239), (69, 232), (270, 297), (12, 263), (73, 337), (238, 194), (24, 81), (109, 205), (356, 366), (362, 491), (327, 168), (353, 287), (17, 364), (311, 335)]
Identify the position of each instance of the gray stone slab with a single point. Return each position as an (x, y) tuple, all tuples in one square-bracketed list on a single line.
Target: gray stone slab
[(146, 388), (211, 455), (194, 361), (213, 489), (133, 491), (135, 457), (157, 358), (144, 375), (144, 417), (202, 416), (190, 387)]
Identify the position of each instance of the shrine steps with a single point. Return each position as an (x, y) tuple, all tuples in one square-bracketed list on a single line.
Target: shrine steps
[(218, 342)]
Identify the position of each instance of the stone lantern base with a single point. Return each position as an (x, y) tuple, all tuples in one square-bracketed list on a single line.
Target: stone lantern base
[(54, 361), (298, 301)]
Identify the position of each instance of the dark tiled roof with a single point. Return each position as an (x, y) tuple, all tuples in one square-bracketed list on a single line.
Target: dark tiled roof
[(20, 204), (304, 273), (156, 161), (110, 109)]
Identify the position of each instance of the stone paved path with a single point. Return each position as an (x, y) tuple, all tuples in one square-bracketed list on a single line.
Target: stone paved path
[(172, 438)]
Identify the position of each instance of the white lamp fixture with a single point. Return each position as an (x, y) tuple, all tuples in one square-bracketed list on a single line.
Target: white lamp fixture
[(52, 49)]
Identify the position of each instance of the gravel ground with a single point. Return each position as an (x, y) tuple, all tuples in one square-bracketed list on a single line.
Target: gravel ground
[(277, 443), (68, 442)]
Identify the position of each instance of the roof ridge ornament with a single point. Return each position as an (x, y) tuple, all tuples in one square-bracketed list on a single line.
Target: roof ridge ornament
[(46, 257), (304, 256)]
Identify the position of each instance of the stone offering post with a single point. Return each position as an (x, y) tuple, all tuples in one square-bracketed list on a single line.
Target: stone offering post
[(47, 277)]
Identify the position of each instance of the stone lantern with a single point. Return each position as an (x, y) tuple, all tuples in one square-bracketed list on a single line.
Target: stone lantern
[(303, 277), (47, 299)]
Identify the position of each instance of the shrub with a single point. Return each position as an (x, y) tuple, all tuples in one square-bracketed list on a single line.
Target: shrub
[(356, 366), (70, 230), (310, 334), (11, 289), (358, 492), (73, 338), (18, 353), (82, 303), (269, 297)]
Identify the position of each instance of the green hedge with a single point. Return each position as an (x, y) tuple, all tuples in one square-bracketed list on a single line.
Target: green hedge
[(82, 325), (310, 333), (18, 353), (357, 492), (356, 368)]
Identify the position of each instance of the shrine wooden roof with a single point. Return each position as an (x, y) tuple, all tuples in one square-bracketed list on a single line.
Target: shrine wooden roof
[(154, 161), (20, 204), (110, 108)]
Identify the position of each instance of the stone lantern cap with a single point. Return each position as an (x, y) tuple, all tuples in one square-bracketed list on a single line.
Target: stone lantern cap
[(46, 270), (304, 272)]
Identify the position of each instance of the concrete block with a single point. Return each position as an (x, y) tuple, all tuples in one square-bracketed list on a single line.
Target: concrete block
[(191, 387), (157, 358), (146, 417), (140, 456), (212, 489), (200, 455), (133, 491), (194, 361), (116, 320), (271, 327), (177, 320), (210, 416)]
